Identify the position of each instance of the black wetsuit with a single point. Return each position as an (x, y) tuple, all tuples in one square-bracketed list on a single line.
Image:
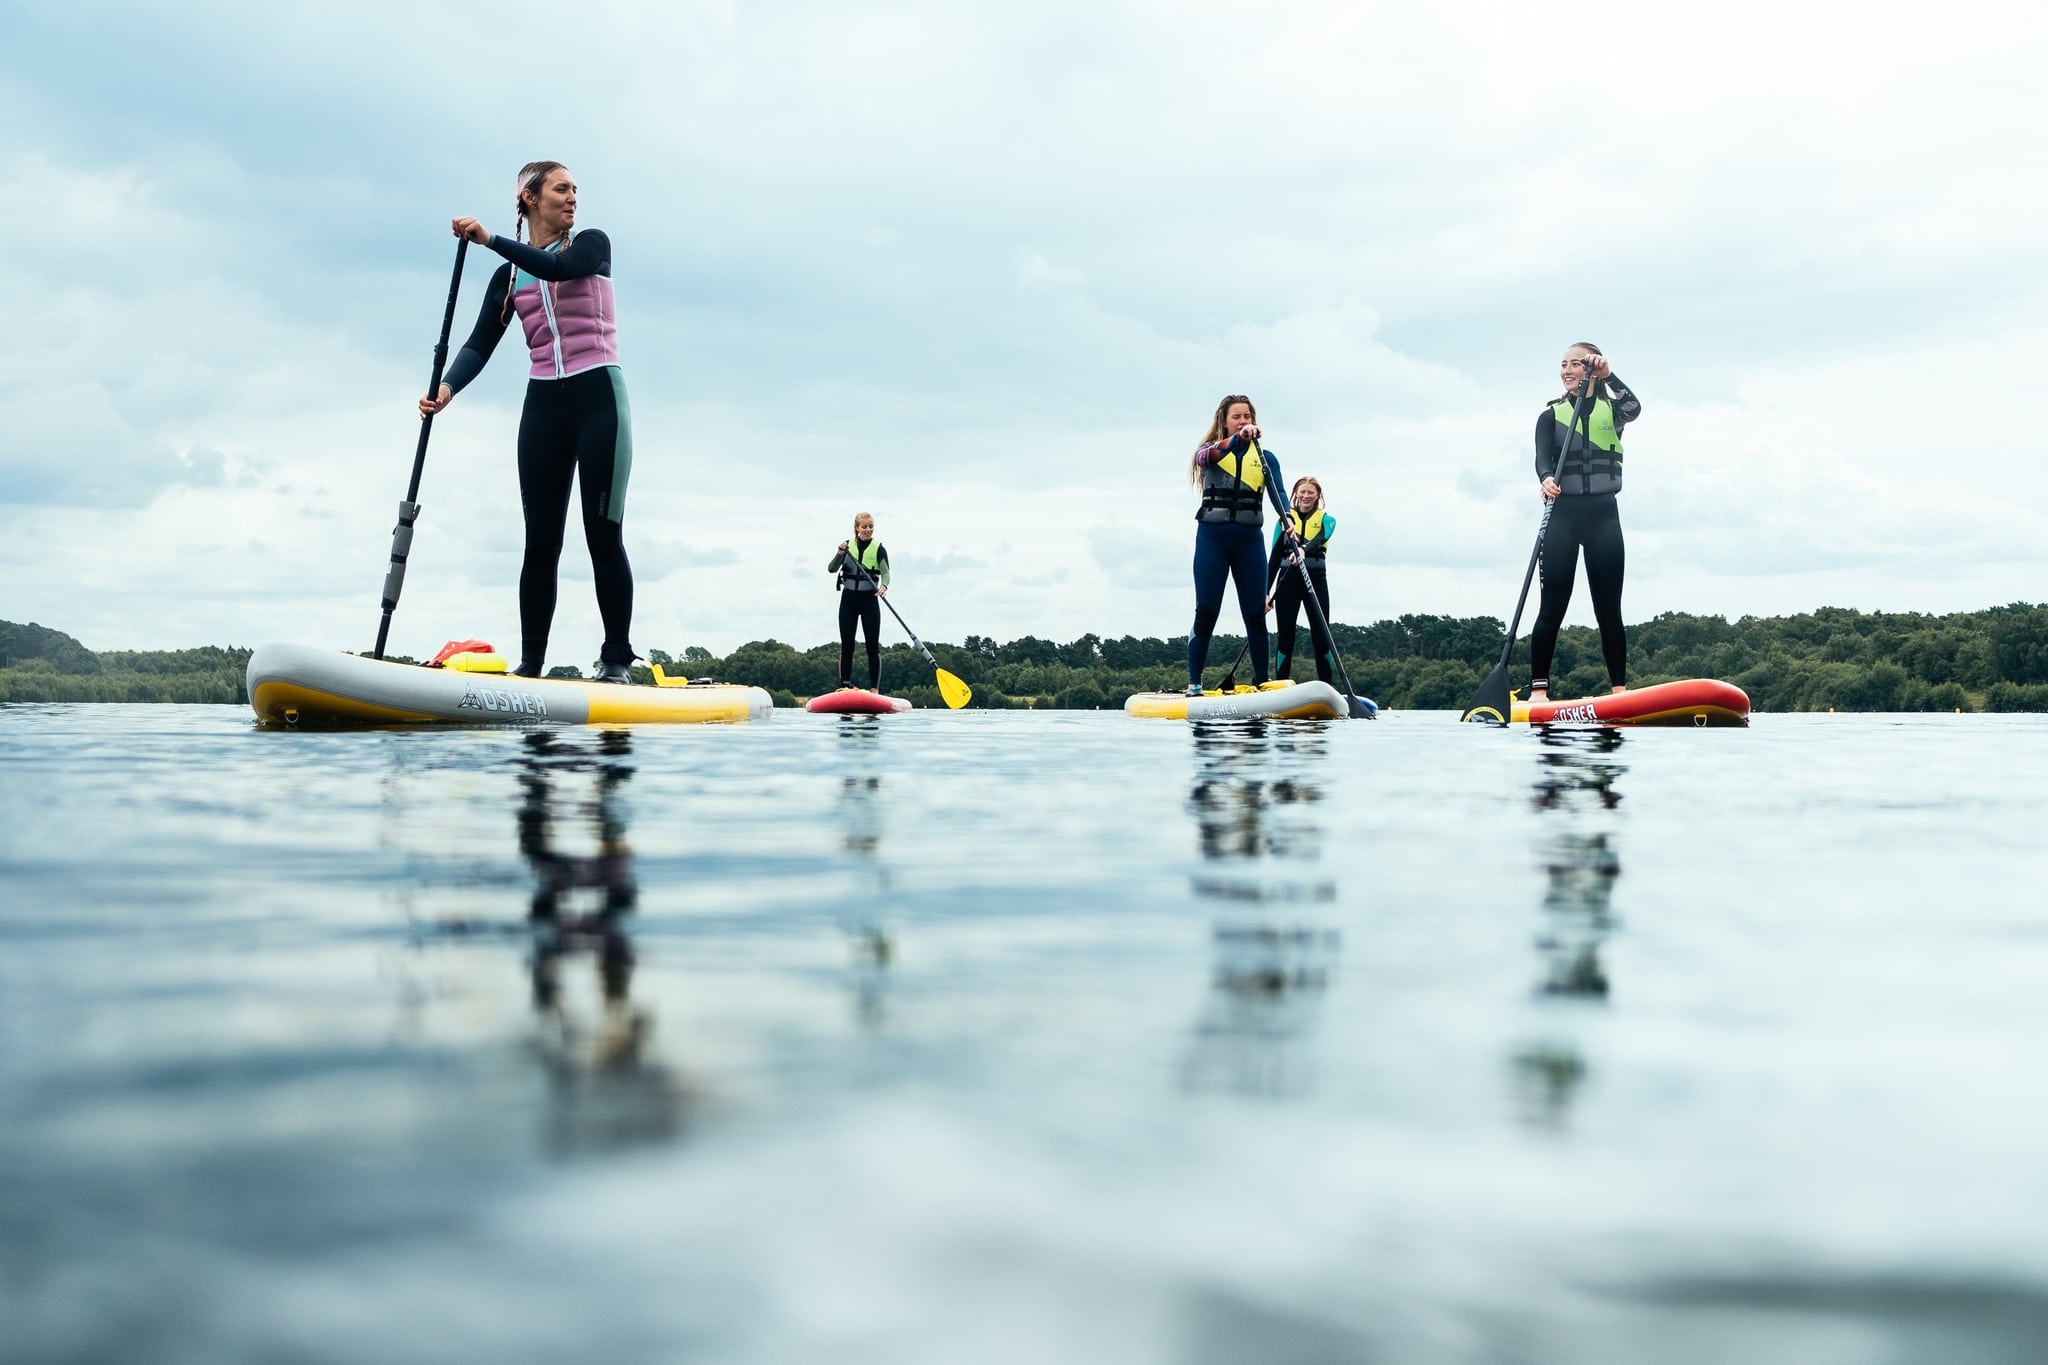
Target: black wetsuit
[(1581, 521), (575, 429), (1283, 585)]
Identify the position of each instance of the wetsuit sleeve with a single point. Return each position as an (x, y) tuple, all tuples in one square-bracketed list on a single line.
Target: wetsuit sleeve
[(1209, 454), (588, 253), (838, 558), (882, 559), (1546, 445), (1627, 407), (483, 338), (1329, 528)]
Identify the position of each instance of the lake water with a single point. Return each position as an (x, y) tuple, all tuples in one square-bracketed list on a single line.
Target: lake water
[(1002, 1037)]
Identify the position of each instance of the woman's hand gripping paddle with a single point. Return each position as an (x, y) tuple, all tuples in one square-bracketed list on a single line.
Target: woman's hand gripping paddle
[(1356, 706), (954, 692), (1493, 703), (409, 510)]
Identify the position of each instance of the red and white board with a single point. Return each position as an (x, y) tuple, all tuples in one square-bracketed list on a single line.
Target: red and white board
[(1690, 702), (852, 701)]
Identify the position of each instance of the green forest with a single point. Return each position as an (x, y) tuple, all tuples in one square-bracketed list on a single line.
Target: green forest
[(1834, 658)]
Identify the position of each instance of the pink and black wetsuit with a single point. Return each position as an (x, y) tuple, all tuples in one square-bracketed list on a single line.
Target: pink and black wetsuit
[(576, 426)]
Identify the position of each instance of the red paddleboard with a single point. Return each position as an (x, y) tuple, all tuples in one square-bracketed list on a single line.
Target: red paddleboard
[(1692, 702), (852, 701)]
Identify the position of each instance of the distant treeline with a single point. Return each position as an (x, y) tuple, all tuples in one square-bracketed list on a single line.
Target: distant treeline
[(40, 664), (1995, 660)]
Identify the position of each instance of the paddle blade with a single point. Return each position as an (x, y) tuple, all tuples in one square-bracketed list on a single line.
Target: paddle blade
[(1491, 703), (1362, 708), (955, 693)]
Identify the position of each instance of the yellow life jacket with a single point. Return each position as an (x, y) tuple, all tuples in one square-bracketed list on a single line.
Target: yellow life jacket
[(1310, 532)]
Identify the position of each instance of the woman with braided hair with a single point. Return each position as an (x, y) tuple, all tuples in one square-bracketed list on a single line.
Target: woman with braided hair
[(576, 426)]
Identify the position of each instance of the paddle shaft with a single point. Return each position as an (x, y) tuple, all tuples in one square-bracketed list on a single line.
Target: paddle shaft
[(1230, 674), (852, 556), (1581, 410), (409, 510)]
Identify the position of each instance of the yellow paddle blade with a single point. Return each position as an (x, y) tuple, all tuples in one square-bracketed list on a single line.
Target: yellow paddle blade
[(956, 693)]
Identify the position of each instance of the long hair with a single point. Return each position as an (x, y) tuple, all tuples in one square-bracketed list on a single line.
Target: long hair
[(1217, 430), (531, 176), (1600, 389), (1296, 488)]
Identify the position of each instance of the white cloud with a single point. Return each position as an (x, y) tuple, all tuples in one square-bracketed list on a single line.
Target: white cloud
[(985, 273)]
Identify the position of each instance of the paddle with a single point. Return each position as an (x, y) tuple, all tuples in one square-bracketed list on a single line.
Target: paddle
[(956, 693), (409, 510), (1357, 706), (1492, 702), (1230, 675)]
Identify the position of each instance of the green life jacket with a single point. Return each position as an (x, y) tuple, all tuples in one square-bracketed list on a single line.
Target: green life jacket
[(1588, 470), (869, 559), (1232, 489)]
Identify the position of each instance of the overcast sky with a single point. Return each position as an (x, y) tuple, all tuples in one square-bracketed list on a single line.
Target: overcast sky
[(984, 271)]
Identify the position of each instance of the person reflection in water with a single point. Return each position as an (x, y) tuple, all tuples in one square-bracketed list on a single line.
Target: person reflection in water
[(1575, 782), (862, 912), (608, 1093), (1253, 798)]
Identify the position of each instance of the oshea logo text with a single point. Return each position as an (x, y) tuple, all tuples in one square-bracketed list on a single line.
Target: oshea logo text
[(498, 701), (1583, 711)]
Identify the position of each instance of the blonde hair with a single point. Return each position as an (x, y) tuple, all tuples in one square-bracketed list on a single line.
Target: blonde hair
[(1218, 430), (857, 518), (1296, 488)]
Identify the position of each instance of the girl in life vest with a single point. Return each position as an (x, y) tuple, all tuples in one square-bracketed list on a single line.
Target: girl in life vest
[(863, 568), (1232, 471), (575, 428), (1578, 459), (1307, 527)]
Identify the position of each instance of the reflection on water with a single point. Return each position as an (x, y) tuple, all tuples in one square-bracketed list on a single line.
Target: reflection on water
[(605, 1088), (863, 912), (1256, 788), (1575, 793), (1125, 1100)]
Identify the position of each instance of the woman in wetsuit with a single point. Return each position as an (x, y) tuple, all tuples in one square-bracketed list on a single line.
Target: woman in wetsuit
[(1231, 470), (1582, 488), (863, 568), (1309, 527), (576, 426)]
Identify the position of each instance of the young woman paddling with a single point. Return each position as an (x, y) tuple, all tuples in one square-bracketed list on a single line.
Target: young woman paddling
[(1582, 487), (576, 426), (1308, 526), (1229, 469), (863, 568)]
